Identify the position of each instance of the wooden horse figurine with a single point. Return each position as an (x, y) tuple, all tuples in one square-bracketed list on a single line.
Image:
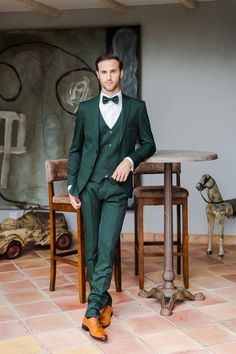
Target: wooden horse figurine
[(216, 209)]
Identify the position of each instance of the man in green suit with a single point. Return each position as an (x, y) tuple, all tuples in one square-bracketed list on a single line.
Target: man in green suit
[(101, 160)]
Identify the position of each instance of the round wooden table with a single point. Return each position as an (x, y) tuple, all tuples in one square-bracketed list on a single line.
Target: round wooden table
[(168, 293)]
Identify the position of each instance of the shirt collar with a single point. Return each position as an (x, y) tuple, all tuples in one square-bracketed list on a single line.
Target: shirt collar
[(119, 94)]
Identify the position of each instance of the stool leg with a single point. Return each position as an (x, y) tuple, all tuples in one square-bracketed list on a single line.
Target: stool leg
[(135, 239), (117, 268), (81, 261), (179, 241), (52, 250), (185, 245), (140, 233)]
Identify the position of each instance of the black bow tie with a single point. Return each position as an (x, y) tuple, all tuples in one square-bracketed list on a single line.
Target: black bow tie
[(106, 99)]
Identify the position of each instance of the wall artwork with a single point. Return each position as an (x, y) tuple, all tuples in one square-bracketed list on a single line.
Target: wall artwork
[(44, 75)]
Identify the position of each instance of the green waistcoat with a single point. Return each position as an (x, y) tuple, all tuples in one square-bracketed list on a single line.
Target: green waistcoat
[(108, 156)]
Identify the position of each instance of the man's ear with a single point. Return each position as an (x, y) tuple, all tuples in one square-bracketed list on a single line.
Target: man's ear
[(121, 73), (97, 74)]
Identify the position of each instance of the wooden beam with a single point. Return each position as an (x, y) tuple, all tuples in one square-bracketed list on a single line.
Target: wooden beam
[(190, 4), (38, 7), (114, 5)]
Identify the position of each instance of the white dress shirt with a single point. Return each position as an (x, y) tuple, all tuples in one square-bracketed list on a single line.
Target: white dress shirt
[(110, 111)]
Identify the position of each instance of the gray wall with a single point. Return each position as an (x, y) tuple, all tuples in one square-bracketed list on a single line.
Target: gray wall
[(188, 83)]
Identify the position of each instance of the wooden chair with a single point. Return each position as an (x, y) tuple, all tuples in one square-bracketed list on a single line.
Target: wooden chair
[(56, 171), (154, 195)]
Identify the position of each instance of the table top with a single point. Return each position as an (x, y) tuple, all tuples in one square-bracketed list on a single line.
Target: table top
[(181, 155)]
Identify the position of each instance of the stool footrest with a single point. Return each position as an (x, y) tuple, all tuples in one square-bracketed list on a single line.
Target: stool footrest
[(65, 260), (67, 253)]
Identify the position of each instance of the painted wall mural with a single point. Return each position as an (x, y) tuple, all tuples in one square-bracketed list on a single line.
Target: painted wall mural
[(44, 75)]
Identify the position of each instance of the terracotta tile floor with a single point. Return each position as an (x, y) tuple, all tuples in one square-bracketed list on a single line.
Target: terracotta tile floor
[(34, 320)]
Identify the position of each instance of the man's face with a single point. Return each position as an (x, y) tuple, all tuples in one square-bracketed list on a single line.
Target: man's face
[(109, 75)]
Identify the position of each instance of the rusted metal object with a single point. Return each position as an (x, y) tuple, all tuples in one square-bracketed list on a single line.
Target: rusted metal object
[(32, 228)]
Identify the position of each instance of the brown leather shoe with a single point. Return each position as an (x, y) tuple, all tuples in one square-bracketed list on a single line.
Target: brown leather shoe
[(105, 317), (93, 325)]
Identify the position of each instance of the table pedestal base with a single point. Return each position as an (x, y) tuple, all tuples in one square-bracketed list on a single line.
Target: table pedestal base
[(168, 297)]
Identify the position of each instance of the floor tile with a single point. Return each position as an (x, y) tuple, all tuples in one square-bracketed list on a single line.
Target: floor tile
[(222, 269), (196, 271), (124, 346), (225, 348), (186, 318), (32, 263), (43, 252), (37, 272), (147, 324), (20, 345), (67, 303), (36, 309), (21, 285), (3, 301), (77, 316), (7, 314), (43, 283), (124, 296), (230, 324), (82, 349), (173, 341), (197, 351), (229, 294), (22, 297), (62, 338), (27, 254), (67, 269), (211, 298), (118, 330), (7, 267), (12, 329), (210, 334), (49, 322), (211, 282), (125, 311), (60, 291), (231, 277), (11, 276), (220, 312)]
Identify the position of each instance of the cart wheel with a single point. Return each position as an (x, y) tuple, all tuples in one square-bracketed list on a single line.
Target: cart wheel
[(13, 250), (64, 242)]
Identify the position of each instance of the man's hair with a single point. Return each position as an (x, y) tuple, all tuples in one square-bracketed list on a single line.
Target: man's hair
[(108, 56)]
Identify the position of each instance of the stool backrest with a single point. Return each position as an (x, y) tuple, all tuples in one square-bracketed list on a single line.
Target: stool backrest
[(56, 170)]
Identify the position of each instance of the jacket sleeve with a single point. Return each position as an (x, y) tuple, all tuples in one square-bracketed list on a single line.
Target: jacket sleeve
[(147, 146), (76, 149)]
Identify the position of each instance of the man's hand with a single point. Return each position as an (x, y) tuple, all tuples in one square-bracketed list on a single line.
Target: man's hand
[(75, 201), (122, 171)]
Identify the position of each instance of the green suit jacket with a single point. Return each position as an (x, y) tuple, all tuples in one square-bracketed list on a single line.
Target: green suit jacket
[(135, 126)]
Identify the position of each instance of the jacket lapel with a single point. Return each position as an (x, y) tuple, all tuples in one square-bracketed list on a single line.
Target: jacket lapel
[(125, 114), (94, 114)]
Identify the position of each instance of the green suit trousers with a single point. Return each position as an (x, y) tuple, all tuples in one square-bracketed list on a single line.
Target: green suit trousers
[(103, 207)]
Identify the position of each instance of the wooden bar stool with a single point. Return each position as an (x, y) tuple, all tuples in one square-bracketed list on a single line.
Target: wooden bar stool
[(154, 195), (56, 171)]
